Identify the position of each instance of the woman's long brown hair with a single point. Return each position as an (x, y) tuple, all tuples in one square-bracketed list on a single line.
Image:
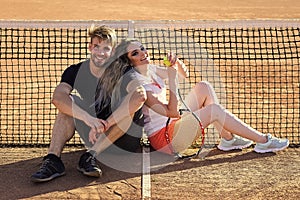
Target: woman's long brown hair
[(115, 67)]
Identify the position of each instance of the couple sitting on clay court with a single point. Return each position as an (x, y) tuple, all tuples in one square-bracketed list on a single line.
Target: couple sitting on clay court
[(122, 93)]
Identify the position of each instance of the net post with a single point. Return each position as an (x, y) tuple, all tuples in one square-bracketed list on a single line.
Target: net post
[(130, 29), (146, 178)]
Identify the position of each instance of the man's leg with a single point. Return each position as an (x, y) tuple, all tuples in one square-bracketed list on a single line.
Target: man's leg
[(63, 131), (52, 166), (112, 135), (128, 142), (124, 137), (87, 163)]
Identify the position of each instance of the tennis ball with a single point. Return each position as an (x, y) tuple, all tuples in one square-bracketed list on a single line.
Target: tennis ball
[(167, 62)]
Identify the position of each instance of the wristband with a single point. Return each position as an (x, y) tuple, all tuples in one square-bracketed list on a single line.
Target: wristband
[(105, 128)]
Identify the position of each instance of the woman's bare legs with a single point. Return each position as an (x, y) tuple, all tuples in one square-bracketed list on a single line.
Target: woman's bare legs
[(201, 96), (214, 113), (203, 101)]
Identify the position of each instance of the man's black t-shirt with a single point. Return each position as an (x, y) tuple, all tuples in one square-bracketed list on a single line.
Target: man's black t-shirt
[(80, 78)]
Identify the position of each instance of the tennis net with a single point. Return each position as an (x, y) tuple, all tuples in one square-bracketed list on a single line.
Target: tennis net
[(252, 64)]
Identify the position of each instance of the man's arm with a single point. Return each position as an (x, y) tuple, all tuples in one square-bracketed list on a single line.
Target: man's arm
[(63, 102)]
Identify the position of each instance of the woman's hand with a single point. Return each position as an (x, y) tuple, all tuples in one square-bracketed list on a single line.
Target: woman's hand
[(171, 59)]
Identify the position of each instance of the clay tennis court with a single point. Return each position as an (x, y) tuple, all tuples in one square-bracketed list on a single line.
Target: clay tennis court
[(221, 175)]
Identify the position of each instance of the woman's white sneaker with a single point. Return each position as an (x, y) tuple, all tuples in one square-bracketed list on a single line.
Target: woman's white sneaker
[(235, 143), (274, 144)]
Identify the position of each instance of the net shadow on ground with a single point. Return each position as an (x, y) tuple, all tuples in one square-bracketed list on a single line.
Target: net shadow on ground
[(214, 157), (16, 182)]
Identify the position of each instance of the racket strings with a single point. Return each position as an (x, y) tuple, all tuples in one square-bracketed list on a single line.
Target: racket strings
[(177, 154)]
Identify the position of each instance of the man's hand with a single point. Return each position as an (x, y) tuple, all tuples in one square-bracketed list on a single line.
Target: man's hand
[(93, 136), (98, 126)]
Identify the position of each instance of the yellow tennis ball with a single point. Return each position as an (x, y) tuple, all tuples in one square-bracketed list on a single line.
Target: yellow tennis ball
[(167, 62)]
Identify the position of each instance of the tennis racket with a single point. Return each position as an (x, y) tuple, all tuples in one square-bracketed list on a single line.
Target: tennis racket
[(202, 135), (186, 109)]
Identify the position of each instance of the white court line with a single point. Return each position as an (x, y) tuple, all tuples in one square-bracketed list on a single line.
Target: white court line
[(146, 178)]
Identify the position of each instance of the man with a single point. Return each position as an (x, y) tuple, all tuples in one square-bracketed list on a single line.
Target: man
[(78, 113)]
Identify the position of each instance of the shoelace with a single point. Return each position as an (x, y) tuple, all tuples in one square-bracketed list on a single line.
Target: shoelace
[(91, 160), (45, 164)]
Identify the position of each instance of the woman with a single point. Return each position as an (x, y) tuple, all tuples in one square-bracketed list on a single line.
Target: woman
[(202, 100)]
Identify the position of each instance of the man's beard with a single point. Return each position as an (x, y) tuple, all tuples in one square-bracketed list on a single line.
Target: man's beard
[(96, 62)]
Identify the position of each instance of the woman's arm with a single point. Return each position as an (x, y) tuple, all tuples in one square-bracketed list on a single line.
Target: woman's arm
[(132, 102), (183, 71), (170, 109), (178, 64)]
